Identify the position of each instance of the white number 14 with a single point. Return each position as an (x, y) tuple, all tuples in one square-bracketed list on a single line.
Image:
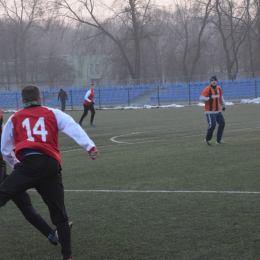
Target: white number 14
[(39, 123)]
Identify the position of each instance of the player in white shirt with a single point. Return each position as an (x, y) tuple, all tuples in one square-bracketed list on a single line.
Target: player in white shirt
[(88, 104)]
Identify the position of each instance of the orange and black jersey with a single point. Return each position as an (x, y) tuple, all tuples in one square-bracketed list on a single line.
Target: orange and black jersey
[(213, 98)]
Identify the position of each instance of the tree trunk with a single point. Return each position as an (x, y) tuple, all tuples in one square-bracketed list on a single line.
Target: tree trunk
[(258, 24), (136, 38), (2, 74), (7, 72), (224, 41), (16, 66), (23, 61), (197, 56), (185, 70)]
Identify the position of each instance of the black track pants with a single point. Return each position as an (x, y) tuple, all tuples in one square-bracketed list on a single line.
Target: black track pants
[(43, 173), (86, 109)]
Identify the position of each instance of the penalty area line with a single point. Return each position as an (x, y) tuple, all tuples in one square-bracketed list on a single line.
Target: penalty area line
[(163, 191)]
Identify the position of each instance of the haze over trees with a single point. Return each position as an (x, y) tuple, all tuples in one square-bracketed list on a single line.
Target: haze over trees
[(138, 38)]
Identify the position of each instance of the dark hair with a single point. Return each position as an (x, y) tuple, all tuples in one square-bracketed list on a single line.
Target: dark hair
[(30, 93), (92, 84), (213, 78)]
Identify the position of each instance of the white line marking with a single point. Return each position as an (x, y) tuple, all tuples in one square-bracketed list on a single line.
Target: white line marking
[(81, 149), (72, 150), (163, 191), (150, 141), (113, 138)]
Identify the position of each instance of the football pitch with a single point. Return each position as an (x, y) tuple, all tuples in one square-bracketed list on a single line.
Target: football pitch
[(156, 192)]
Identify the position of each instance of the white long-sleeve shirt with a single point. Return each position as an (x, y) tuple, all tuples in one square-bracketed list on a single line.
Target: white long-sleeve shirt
[(37, 129), (87, 95)]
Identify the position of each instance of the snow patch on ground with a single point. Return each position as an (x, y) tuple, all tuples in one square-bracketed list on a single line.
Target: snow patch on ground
[(227, 104), (9, 111), (250, 101), (163, 106), (145, 106)]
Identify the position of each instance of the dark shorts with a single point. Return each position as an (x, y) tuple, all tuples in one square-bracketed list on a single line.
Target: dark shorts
[(43, 173)]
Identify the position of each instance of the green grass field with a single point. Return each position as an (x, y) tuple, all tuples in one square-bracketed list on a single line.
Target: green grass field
[(159, 150)]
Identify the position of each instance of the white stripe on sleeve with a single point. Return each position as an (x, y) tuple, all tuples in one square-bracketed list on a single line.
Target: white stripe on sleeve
[(204, 99)]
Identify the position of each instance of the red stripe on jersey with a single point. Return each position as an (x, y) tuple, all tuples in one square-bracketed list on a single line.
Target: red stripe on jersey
[(36, 128)]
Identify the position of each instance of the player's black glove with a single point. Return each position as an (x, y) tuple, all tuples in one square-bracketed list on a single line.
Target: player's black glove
[(93, 103), (223, 109), (210, 99)]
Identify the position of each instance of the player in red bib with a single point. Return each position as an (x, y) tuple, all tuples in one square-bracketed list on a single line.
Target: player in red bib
[(88, 104), (33, 133), (23, 202)]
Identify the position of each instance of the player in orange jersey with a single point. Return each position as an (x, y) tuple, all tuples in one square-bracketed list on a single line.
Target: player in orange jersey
[(213, 98)]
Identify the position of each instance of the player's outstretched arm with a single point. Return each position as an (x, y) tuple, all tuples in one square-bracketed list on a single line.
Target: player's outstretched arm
[(68, 126)]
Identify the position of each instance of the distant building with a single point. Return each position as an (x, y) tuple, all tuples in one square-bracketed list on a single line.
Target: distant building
[(88, 69), (91, 68)]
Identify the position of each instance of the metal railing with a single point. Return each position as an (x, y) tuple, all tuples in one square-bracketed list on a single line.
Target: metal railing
[(134, 82), (138, 95)]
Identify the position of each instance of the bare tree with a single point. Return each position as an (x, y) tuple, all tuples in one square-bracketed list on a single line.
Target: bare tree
[(131, 17), (24, 15), (253, 37), (49, 56), (5, 51), (189, 22), (233, 29), (137, 38), (247, 48), (204, 21)]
